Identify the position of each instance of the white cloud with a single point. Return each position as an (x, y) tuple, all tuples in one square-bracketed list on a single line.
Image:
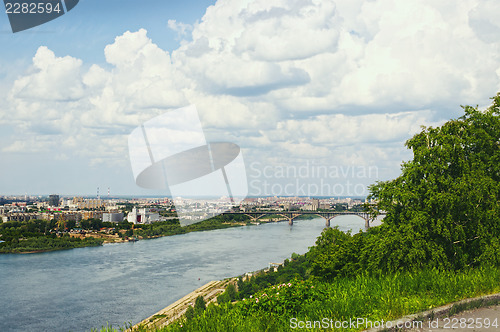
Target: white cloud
[(302, 78), (483, 19), (181, 28), (59, 97), (333, 136), (51, 78), (409, 54), (306, 28), (30, 145)]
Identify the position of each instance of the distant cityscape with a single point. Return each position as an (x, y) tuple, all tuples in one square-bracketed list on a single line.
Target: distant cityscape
[(149, 210)]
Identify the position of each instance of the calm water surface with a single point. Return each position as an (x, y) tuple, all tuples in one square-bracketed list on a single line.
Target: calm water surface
[(79, 289)]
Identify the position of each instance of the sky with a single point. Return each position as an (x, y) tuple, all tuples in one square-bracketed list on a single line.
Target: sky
[(319, 94)]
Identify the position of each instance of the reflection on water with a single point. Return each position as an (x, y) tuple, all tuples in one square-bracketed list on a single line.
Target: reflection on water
[(79, 289)]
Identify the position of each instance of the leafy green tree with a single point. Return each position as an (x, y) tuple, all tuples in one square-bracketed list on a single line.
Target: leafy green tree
[(95, 224), (446, 203), (336, 253), (223, 298), (231, 292), (199, 305), (443, 211), (190, 314), (70, 224), (85, 224)]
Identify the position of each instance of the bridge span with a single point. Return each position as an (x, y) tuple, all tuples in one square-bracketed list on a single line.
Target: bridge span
[(292, 215)]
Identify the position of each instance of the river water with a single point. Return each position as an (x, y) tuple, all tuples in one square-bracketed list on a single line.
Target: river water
[(79, 289)]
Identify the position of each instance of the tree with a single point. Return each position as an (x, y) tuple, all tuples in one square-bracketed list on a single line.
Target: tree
[(223, 298), (70, 224), (231, 292), (85, 224), (95, 224), (199, 305), (443, 211), (61, 223), (190, 313), (445, 205)]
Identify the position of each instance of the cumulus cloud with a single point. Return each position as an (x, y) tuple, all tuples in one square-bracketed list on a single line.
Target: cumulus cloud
[(306, 28), (483, 19), (52, 78), (340, 129), (57, 96), (345, 81)]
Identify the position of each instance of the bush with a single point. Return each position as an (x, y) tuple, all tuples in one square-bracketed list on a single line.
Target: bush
[(190, 314), (199, 305)]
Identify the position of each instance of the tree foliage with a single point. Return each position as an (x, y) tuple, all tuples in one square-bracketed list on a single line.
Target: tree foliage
[(199, 305), (443, 210)]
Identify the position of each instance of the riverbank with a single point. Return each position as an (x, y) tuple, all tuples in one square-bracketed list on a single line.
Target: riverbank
[(70, 239), (41, 244), (447, 293), (31, 243), (210, 291), (176, 310), (119, 283), (364, 300)]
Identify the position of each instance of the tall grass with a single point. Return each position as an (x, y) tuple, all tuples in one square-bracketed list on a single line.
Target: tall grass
[(375, 298), (386, 297)]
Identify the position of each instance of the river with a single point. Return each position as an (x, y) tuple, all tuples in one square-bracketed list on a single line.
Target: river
[(79, 289)]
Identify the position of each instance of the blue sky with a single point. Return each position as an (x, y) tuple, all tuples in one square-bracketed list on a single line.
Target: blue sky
[(95, 23), (328, 83), (83, 33)]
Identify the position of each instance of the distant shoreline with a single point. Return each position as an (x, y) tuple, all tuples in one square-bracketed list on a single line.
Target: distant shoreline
[(106, 239)]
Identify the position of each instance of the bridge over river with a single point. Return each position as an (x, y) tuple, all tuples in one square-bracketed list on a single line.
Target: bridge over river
[(292, 215)]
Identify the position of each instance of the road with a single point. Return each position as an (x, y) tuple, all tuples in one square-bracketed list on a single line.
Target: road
[(480, 320)]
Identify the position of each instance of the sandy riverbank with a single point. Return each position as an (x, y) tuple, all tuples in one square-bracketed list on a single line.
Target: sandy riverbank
[(209, 291)]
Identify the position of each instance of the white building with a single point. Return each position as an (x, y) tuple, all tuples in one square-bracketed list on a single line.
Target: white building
[(142, 216)]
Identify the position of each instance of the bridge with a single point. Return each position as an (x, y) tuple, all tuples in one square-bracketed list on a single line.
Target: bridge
[(292, 215)]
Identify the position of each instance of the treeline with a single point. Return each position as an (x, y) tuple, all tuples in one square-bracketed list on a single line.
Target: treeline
[(173, 227), (33, 228), (18, 229), (46, 235), (40, 235), (46, 243), (97, 224)]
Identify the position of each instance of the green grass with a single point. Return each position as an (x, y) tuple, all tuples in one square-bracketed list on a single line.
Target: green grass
[(386, 297)]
